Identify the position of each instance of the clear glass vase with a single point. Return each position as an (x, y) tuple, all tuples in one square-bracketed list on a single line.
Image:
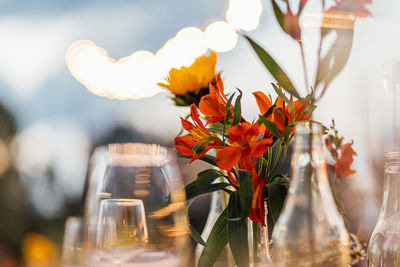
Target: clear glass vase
[(383, 248), (258, 243), (310, 231), (218, 203), (259, 253)]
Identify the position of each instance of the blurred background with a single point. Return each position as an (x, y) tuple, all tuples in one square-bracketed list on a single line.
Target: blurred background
[(50, 122)]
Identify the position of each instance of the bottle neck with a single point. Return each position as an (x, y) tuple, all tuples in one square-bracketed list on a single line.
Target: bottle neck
[(308, 164), (391, 195)]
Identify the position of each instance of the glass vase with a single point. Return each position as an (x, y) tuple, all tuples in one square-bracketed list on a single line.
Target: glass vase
[(259, 253), (218, 203), (259, 243), (383, 248), (310, 231)]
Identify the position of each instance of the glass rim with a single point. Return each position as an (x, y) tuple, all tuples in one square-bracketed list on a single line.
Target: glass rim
[(132, 200), (391, 154), (122, 202), (133, 154), (306, 127), (391, 159)]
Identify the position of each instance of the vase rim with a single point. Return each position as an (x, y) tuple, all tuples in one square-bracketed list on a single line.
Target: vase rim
[(306, 127)]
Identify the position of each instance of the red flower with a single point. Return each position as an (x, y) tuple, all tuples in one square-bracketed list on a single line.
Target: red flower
[(257, 213), (264, 104), (197, 132), (213, 105), (342, 164), (244, 147), (282, 115), (292, 26)]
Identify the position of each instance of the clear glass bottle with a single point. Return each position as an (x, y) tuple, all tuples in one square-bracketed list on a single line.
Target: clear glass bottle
[(310, 230), (383, 247), (258, 243)]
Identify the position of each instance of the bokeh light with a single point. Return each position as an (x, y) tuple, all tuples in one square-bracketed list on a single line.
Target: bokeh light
[(221, 36), (244, 15), (137, 76)]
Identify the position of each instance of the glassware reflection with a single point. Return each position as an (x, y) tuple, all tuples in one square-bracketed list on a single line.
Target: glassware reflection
[(147, 173), (72, 252), (122, 230), (383, 247)]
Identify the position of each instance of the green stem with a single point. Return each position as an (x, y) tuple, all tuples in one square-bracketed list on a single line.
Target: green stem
[(276, 156), (269, 160), (303, 58), (282, 160)]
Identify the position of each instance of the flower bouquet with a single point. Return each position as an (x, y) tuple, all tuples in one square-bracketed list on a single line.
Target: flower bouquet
[(249, 154)]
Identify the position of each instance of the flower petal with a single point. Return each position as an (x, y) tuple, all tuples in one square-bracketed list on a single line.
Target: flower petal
[(257, 213), (259, 148), (263, 102), (228, 157), (184, 145)]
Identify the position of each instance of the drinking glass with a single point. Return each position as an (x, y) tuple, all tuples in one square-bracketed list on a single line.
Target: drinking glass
[(72, 253), (122, 230), (139, 172)]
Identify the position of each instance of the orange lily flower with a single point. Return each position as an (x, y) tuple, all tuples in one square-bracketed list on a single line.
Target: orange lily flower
[(282, 115), (342, 164), (213, 105), (197, 132), (284, 109), (264, 103), (244, 147)]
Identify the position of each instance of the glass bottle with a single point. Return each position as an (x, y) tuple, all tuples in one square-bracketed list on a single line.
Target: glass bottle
[(259, 242), (310, 231), (383, 247)]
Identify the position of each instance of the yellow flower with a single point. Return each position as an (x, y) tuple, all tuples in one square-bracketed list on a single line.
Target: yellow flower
[(192, 79), (39, 250)]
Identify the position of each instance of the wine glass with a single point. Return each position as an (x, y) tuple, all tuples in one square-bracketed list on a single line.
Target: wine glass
[(122, 230), (72, 253), (148, 173)]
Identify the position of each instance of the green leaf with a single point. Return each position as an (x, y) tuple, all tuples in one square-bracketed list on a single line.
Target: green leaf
[(279, 15), (282, 95), (245, 192), (287, 131), (194, 190), (216, 242), (269, 111), (274, 68), (276, 199), (206, 158), (209, 159), (216, 127), (270, 126), (197, 236), (179, 101), (237, 110), (281, 180), (208, 176), (228, 111), (201, 145), (237, 232), (335, 60)]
